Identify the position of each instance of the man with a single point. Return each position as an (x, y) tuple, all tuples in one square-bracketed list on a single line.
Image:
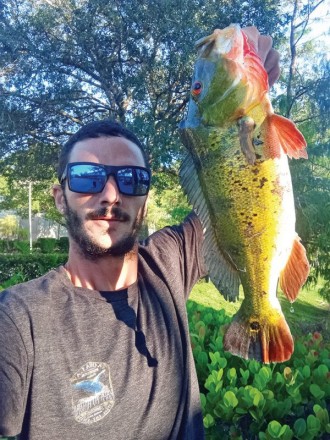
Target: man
[(99, 348)]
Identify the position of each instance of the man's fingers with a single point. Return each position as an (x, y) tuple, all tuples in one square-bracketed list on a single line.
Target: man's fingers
[(272, 66), (253, 35), (264, 46)]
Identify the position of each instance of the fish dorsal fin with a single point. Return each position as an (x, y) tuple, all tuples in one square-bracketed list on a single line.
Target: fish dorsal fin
[(222, 273)]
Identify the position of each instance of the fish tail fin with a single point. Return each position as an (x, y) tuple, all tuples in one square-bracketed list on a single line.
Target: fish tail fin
[(282, 134), (266, 339), (295, 272)]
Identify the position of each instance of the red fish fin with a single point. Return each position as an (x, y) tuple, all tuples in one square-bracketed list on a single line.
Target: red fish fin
[(295, 272), (281, 133), (267, 340)]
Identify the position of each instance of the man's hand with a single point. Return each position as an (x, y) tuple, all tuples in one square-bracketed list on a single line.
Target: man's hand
[(269, 56)]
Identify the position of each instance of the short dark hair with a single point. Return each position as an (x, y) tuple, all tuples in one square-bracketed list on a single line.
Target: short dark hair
[(96, 129)]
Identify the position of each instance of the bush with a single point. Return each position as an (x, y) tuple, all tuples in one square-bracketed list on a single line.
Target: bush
[(46, 245), (25, 267), (249, 400), (63, 245), (22, 246)]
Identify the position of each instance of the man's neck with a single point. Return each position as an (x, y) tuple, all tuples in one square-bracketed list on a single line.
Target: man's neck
[(103, 274)]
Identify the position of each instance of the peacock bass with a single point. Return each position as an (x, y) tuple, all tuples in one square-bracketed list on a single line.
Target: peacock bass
[(237, 177)]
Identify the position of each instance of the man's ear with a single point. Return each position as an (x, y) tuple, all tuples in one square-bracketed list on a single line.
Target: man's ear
[(58, 195)]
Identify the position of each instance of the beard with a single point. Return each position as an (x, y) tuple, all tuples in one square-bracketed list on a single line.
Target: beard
[(88, 246)]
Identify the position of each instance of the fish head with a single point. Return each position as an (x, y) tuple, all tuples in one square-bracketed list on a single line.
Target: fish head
[(229, 79)]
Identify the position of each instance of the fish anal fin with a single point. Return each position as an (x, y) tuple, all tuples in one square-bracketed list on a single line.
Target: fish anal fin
[(281, 133), (266, 340), (295, 272)]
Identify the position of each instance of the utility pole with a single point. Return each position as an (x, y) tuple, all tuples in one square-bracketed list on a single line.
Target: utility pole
[(30, 214)]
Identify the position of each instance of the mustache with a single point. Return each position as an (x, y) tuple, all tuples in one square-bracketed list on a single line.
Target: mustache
[(114, 212)]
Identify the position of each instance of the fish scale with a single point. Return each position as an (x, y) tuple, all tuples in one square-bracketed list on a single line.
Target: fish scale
[(237, 178)]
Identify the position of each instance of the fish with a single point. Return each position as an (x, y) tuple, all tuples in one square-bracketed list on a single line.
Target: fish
[(236, 176)]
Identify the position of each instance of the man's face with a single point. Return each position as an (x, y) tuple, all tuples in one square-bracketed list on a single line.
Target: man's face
[(105, 223)]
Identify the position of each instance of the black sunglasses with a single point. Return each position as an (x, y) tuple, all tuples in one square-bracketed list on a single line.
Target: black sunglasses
[(90, 178)]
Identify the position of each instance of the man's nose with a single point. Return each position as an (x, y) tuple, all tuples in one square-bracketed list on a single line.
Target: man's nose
[(110, 193)]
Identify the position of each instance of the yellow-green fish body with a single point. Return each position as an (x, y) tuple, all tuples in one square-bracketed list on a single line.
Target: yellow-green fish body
[(238, 179)]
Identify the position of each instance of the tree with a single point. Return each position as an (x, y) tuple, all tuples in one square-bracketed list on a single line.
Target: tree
[(305, 98), (65, 62)]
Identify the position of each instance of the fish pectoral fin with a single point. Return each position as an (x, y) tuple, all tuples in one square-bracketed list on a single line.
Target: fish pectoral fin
[(246, 127), (222, 272), (267, 340), (281, 133), (295, 272)]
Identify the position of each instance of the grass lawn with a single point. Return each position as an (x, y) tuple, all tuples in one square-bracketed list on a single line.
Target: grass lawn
[(309, 313)]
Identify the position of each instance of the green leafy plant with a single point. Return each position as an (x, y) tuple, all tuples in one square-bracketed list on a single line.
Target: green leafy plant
[(22, 267), (249, 400)]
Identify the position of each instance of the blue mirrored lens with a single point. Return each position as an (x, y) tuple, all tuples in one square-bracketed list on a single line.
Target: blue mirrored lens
[(133, 181), (87, 178)]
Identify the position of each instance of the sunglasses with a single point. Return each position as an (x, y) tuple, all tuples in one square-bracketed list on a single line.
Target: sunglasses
[(90, 178)]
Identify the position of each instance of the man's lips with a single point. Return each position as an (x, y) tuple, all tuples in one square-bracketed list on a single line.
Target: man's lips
[(111, 215), (109, 219)]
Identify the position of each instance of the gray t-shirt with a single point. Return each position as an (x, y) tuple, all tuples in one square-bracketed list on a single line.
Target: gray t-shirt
[(77, 363)]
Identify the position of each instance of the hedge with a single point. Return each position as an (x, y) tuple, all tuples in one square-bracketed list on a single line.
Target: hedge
[(44, 245), (17, 268)]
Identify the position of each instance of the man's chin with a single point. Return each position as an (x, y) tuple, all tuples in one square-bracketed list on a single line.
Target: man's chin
[(93, 251)]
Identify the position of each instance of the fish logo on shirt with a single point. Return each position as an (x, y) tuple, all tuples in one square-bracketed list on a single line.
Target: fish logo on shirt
[(92, 392)]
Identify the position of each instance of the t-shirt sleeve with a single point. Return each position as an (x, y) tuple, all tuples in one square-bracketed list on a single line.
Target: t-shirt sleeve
[(177, 251), (13, 377), (193, 259)]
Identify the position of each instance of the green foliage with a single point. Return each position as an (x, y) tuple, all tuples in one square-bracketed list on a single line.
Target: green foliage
[(304, 98), (167, 203), (43, 245), (131, 61), (24, 267), (246, 399), (46, 245), (8, 226)]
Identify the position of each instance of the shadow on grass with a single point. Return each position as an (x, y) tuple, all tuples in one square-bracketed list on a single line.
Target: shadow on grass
[(304, 318)]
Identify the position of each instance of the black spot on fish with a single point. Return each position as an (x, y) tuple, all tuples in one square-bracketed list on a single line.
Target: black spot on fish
[(258, 156), (255, 179), (255, 215), (245, 189), (241, 167), (263, 180), (255, 326), (241, 213), (255, 171)]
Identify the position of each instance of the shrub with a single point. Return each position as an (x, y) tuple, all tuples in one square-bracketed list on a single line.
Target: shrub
[(63, 245), (27, 267), (46, 245), (22, 246), (249, 400)]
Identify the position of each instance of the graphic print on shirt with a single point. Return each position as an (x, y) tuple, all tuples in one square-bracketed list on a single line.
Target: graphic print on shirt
[(92, 392)]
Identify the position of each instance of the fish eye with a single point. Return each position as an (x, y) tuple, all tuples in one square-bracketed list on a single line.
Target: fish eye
[(197, 88)]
